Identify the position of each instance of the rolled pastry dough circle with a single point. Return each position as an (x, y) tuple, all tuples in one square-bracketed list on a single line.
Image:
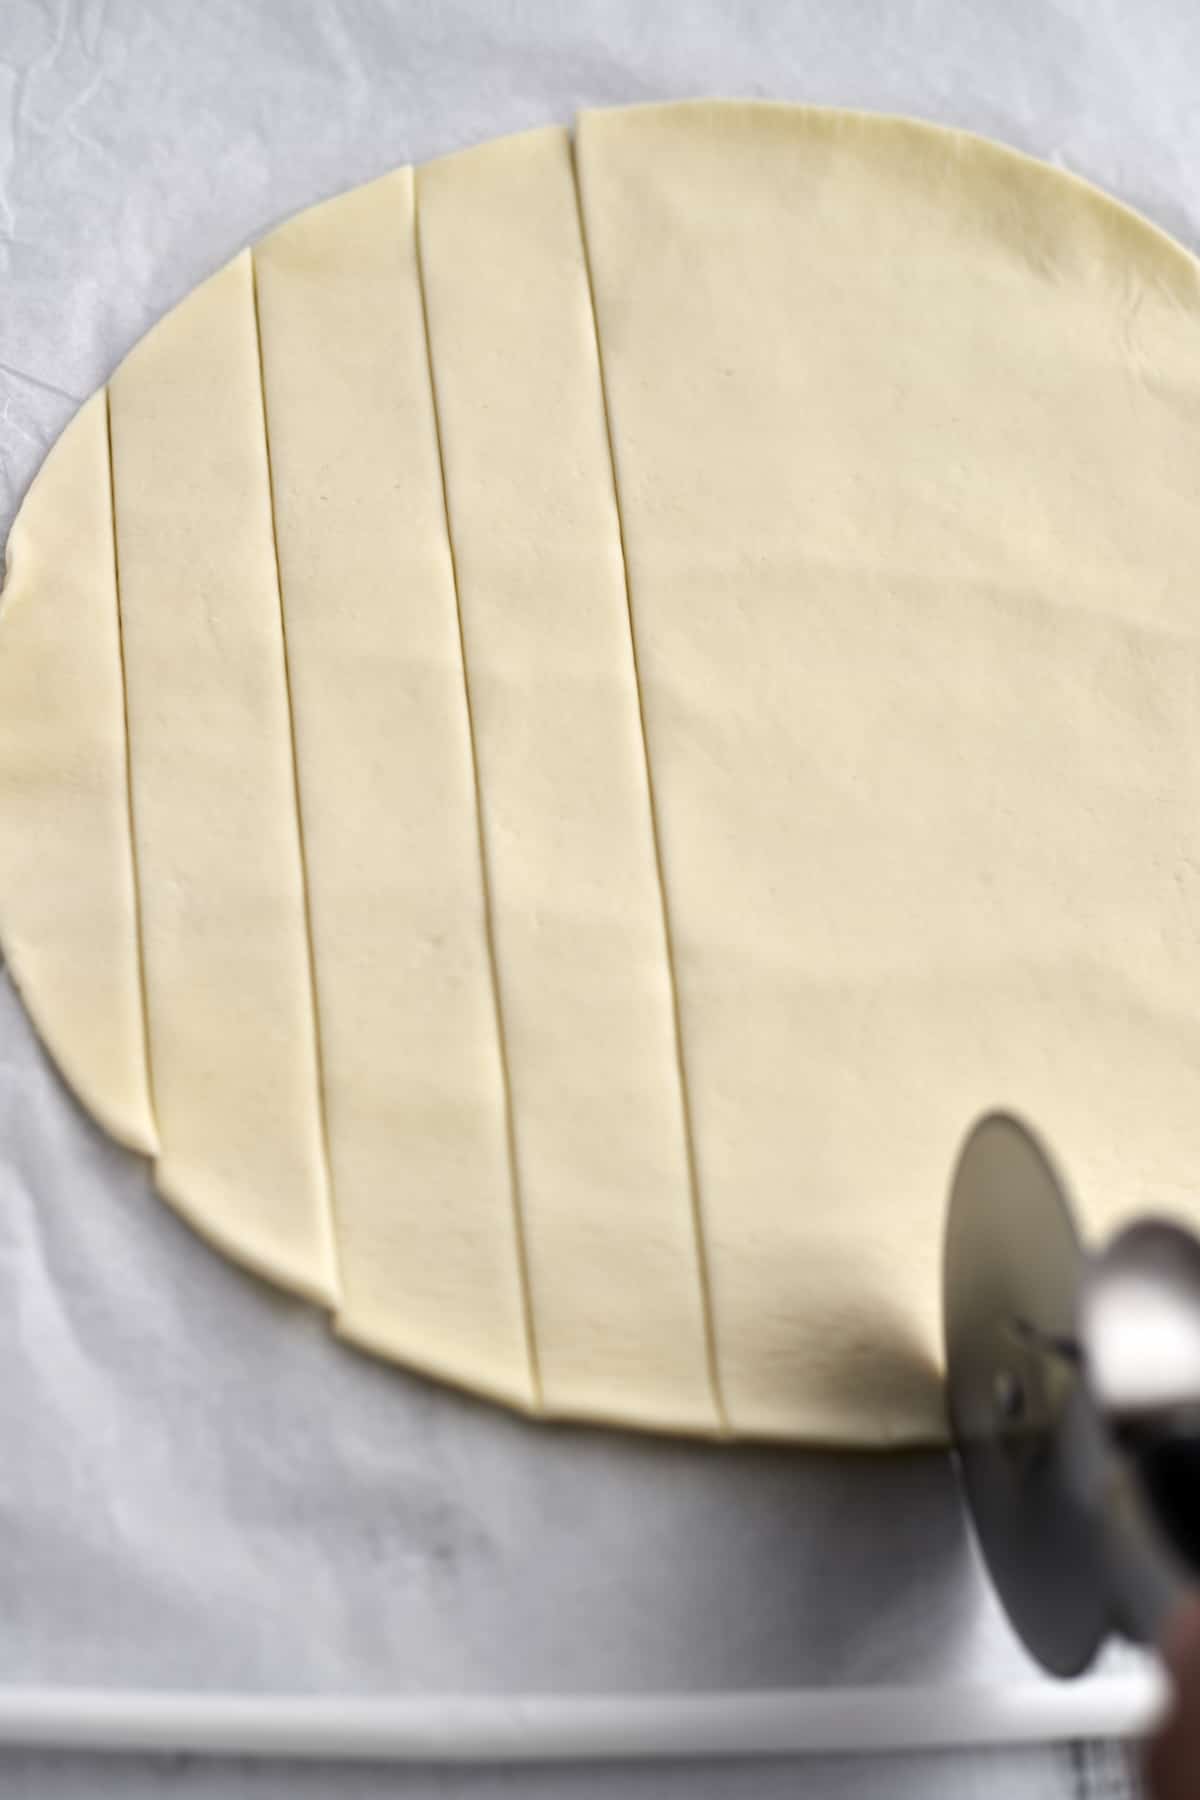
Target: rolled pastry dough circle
[(569, 719)]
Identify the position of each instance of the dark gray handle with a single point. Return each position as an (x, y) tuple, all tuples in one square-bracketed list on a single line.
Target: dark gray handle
[(1152, 1529)]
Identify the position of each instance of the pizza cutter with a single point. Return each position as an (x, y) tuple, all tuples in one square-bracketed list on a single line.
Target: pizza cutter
[(1073, 1382)]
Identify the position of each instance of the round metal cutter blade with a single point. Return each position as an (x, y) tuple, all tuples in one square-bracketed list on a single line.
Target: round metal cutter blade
[(1019, 1415)]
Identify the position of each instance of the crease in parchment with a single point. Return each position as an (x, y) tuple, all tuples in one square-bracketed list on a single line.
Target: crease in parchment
[(39, 383)]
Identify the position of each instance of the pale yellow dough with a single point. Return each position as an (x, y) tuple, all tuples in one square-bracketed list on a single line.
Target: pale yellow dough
[(907, 437), (662, 677), (413, 1077), (224, 945), (584, 982), (67, 902)]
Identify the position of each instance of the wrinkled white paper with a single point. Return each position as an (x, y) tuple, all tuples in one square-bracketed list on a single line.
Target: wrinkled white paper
[(198, 1485)]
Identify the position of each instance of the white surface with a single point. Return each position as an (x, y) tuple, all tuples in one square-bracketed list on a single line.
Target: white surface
[(197, 1486)]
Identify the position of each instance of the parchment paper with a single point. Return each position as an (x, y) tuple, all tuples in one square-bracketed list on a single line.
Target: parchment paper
[(198, 1485)]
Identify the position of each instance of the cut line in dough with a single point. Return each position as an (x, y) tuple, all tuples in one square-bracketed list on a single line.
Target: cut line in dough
[(68, 904)]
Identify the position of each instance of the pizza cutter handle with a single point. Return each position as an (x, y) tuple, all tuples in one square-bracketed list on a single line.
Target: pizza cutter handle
[(1153, 1518), (1139, 1321)]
